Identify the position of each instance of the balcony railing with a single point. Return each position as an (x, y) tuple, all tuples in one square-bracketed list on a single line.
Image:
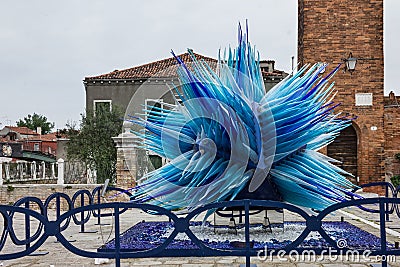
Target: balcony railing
[(60, 172)]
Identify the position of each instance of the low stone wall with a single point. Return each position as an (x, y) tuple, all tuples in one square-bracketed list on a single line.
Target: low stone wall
[(12, 192)]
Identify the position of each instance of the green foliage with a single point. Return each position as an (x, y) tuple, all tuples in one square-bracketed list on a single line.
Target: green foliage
[(93, 143), (36, 120), (70, 129), (397, 156), (395, 180), (10, 188)]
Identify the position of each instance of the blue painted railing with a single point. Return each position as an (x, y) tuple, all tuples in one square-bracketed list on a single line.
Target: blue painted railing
[(85, 199)]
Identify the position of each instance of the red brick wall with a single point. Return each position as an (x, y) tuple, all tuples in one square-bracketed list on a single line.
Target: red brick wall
[(392, 140), (328, 32), (43, 146)]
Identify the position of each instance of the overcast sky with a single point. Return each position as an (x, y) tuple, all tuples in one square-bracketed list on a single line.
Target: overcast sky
[(47, 47)]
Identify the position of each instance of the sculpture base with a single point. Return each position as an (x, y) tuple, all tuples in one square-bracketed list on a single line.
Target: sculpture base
[(266, 191), (149, 235)]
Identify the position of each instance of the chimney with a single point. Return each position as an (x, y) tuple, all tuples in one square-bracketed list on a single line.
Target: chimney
[(39, 130), (267, 65)]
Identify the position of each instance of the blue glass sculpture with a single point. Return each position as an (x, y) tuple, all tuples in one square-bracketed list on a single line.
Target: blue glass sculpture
[(230, 139)]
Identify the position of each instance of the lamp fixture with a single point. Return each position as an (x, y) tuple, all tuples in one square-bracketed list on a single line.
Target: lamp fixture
[(351, 62)]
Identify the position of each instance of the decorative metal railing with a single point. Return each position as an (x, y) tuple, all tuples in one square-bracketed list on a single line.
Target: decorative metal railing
[(390, 191), (85, 204)]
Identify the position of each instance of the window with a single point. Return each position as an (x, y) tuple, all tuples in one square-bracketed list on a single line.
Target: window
[(152, 106), (102, 105), (364, 99), (156, 161), (13, 136), (36, 147)]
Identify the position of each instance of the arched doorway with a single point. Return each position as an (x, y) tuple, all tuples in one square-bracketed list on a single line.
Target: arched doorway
[(344, 149)]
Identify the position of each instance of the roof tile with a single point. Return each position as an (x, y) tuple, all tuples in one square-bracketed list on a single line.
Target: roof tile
[(164, 68), (22, 130), (158, 69), (44, 137)]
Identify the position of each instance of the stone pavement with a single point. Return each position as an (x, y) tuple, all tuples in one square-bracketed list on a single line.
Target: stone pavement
[(96, 235)]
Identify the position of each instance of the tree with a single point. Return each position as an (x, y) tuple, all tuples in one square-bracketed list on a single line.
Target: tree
[(71, 128), (93, 143), (34, 121)]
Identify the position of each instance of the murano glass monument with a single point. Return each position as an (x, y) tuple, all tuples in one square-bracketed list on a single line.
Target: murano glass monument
[(226, 138)]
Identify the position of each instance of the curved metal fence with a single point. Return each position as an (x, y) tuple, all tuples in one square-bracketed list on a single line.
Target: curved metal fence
[(85, 204)]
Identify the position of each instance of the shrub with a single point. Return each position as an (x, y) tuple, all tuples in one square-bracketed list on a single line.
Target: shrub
[(10, 188), (395, 180)]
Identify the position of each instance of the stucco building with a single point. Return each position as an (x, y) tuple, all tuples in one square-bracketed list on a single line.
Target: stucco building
[(119, 86), (28, 144)]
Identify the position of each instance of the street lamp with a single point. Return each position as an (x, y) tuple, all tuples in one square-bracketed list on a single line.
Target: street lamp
[(350, 63)]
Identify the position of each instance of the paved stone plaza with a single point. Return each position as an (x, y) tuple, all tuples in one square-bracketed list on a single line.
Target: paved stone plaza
[(97, 235)]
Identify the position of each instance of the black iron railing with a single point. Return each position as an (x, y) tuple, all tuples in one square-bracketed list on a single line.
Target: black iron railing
[(85, 204)]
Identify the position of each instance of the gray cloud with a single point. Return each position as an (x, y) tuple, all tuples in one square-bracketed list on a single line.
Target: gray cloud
[(47, 47)]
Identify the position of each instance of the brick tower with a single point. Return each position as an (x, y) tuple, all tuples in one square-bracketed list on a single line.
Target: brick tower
[(328, 31)]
